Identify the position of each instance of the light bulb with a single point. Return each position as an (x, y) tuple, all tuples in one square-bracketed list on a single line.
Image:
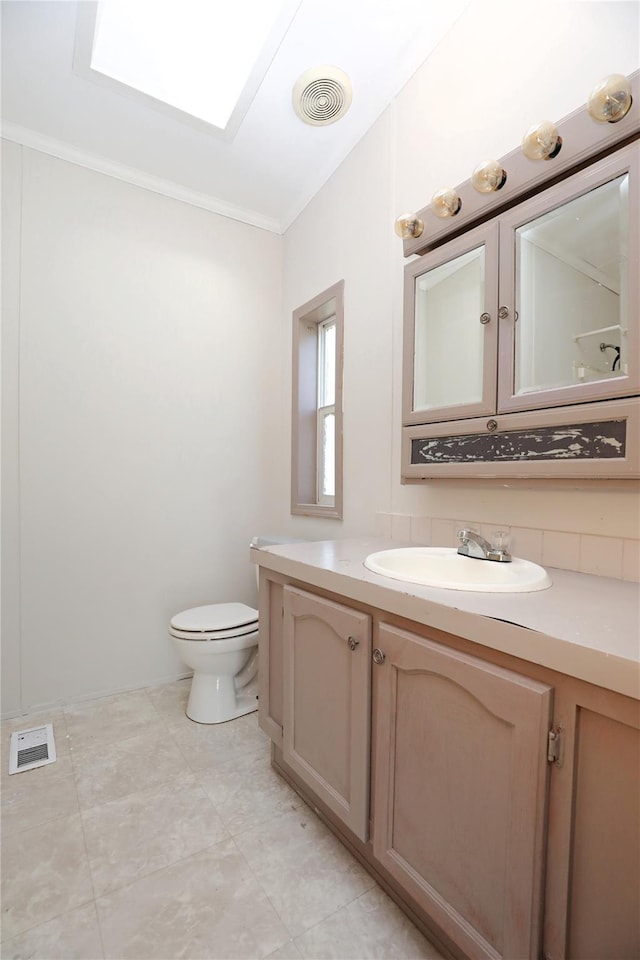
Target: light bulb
[(408, 225), (488, 176), (542, 142), (610, 99), (446, 203)]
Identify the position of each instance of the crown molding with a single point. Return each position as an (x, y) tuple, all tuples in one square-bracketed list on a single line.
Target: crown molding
[(111, 168)]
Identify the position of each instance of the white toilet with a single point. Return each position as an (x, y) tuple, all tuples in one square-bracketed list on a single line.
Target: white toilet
[(220, 643)]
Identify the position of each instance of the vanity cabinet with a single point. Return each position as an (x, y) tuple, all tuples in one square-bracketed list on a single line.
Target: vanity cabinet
[(497, 800), (534, 313), (460, 795)]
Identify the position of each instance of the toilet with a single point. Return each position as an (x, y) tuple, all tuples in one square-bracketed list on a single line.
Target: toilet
[(220, 644)]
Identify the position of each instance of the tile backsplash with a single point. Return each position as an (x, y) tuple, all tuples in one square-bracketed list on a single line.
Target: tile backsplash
[(603, 556)]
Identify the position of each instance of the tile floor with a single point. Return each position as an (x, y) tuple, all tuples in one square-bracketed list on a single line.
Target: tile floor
[(154, 837)]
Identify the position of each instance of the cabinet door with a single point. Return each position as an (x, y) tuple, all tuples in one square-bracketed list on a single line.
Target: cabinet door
[(593, 865), (569, 290), (327, 672), (451, 330), (459, 807), (605, 892)]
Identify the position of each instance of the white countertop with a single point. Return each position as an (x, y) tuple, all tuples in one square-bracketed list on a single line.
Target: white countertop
[(584, 626)]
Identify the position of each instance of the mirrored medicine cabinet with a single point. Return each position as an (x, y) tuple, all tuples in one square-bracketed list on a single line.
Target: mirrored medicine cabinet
[(521, 339)]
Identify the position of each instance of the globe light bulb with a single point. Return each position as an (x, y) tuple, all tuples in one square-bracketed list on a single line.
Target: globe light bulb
[(446, 203), (408, 226), (488, 177), (610, 99), (542, 142)]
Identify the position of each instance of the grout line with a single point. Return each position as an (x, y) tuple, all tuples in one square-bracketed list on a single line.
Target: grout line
[(63, 913), (152, 789), (49, 820), (266, 895), (84, 837), (76, 905), (125, 796), (95, 907), (152, 873), (326, 833)]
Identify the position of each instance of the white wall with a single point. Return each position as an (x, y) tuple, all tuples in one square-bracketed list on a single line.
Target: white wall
[(503, 67), (344, 234), (146, 352)]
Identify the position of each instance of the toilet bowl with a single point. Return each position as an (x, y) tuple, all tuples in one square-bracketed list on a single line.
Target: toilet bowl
[(220, 644)]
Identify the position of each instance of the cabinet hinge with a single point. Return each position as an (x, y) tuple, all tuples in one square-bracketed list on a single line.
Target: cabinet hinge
[(554, 746)]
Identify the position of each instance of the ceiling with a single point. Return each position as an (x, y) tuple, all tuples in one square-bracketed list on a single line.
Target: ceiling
[(275, 163)]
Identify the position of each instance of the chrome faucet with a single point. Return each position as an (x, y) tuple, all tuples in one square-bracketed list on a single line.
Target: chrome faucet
[(474, 545)]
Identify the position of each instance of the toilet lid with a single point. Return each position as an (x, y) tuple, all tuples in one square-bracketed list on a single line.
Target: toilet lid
[(215, 616)]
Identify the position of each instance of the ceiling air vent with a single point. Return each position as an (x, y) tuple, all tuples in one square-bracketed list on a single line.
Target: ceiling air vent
[(322, 95)]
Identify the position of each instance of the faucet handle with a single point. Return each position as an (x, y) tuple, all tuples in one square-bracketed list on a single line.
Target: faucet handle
[(500, 540), (500, 545)]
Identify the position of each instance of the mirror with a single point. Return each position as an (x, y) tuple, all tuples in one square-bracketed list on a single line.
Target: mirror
[(571, 270), (448, 345)]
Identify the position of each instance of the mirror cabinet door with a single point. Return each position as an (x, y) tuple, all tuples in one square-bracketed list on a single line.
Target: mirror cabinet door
[(570, 332), (451, 330)]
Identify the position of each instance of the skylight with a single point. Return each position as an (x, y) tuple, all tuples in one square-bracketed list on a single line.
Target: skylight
[(202, 57)]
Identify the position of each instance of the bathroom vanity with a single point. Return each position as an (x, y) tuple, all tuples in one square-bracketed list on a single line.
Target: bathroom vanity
[(479, 753)]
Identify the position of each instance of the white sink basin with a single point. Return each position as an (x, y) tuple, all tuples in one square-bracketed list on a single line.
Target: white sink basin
[(445, 567)]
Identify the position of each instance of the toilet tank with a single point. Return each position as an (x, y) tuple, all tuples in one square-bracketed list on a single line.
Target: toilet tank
[(269, 541)]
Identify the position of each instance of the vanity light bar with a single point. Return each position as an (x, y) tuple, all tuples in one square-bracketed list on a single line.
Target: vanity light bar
[(548, 150)]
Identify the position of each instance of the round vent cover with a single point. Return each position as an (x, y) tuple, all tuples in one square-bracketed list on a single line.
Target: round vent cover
[(322, 95)]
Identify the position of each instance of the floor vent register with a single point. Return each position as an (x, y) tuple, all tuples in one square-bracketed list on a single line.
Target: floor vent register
[(31, 748)]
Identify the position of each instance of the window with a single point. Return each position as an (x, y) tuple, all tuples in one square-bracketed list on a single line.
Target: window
[(326, 417), (316, 451)]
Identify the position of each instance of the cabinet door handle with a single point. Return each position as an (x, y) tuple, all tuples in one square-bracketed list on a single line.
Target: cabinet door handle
[(485, 318), (503, 313), (352, 642), (378, 656)]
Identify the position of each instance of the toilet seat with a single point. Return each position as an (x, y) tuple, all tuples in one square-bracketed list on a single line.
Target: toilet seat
[(215, 621)]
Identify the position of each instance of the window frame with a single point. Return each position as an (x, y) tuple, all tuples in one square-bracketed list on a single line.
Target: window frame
[(307, 412)]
